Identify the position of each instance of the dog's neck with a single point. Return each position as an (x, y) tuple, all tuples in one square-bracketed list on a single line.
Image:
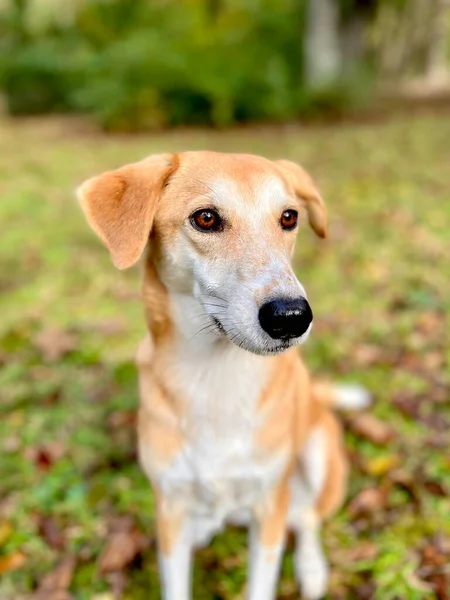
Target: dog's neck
[(198, 361)]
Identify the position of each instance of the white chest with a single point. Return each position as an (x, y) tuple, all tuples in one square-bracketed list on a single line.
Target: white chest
[(220, 468)]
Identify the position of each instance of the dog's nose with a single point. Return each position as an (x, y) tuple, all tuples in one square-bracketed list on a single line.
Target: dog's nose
[(285, 319)]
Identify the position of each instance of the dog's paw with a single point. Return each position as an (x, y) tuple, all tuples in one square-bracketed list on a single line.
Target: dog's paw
[(312, 574), (351, 396)]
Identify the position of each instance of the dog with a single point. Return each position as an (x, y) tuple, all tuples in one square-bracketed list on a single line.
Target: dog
[(231, 429)]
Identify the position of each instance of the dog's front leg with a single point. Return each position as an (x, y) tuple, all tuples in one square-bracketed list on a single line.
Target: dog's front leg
[(267, 537), (174, 533)]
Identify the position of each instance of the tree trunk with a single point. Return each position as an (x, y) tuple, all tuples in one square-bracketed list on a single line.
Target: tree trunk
[(353, 42), (323, 59), (437, 67)]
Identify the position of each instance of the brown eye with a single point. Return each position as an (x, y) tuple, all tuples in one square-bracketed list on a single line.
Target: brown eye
[(289, 219), (207, 220)]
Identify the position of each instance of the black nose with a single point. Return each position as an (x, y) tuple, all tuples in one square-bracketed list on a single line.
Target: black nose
[(285, 319)]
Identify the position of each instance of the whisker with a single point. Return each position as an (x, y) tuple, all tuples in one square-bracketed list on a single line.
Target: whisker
[(215, 296), (210, 326), (216, 305)]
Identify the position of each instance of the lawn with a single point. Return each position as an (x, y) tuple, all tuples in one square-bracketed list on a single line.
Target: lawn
[(76, 512)]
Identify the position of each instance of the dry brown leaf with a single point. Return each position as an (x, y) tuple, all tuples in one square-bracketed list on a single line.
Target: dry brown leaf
[(435, 487), (44, 456), (54, 343), (59, 579), (372, 429), (364, 591), (433, 571), (51, 532), (409, 404), (365, 550), (121, 549), (367, 502), (52, 595), (11, 562), (429, 322), (120, 419), (367, 355)]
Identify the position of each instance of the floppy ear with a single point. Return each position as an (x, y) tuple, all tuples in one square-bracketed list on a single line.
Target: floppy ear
[(120, 205), (306, 191)]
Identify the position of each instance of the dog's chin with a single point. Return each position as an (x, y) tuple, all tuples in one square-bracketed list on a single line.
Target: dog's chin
[(265, 348)]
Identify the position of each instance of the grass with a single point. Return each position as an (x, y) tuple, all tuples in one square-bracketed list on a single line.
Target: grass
[(70, 324)]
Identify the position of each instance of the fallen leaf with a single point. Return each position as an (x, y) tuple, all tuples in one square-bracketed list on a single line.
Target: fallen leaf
[(429, 322), (11, 562), (46, 455), (433, 567), (372, 429), (51, 532), (365, 591), (52, 595), (409, 404), (435, 487), (432, 556), (55, 584), (5, 531), (125, 542), (119, 419), (381, 465), (365, 550), (54, 343), (368, 501), (367, 355)]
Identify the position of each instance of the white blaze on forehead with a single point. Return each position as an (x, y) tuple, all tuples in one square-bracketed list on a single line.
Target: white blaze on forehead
[(225, 191), (271, 194), (265, 194)]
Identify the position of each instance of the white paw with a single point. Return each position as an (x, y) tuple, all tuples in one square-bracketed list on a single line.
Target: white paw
[(312, 574), (352, 396)]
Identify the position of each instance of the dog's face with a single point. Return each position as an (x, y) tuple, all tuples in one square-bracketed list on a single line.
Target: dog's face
[(222, 229)]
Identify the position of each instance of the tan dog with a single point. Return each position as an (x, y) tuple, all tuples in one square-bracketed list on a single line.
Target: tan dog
[(230, 427)]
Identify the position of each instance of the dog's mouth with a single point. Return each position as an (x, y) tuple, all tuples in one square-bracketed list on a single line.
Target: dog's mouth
[(277, 349), (263, 350)]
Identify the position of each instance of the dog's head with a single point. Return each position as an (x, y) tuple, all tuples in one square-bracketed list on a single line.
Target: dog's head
[(222, 229)]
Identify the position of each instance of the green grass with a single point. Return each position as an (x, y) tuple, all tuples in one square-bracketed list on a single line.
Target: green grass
[(380, 290)]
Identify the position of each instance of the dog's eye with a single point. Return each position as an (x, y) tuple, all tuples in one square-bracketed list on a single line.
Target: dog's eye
[(207, 219), (289, 219)]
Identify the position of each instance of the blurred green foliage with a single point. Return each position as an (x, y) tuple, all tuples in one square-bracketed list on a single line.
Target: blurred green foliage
[(135, 64)]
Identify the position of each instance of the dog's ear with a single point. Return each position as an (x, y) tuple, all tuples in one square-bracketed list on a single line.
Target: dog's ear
[(306, 191), (120, 205)]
